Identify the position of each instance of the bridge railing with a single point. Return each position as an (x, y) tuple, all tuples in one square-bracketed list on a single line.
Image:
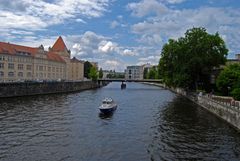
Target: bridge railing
[(130, 80)]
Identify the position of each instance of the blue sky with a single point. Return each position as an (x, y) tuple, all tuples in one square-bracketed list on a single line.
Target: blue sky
[(116, 33)]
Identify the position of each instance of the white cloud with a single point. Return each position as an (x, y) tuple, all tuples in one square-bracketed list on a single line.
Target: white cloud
[(107, 46), (145, 7), (154, 39), (128, 52), (39, 14), (174, 23), (114, 24), (174, 1), (81, 20), (116, 65), (153, 59)]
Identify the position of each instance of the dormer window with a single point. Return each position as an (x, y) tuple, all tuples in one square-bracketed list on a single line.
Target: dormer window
[(23, 53)]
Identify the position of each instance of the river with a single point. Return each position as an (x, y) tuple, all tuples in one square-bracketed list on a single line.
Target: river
[(150, 124)]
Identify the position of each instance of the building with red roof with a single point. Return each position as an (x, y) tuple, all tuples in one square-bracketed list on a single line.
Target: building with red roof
[(20, 63)]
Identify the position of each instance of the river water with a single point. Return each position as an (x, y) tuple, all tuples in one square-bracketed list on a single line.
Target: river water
[(150, 124)]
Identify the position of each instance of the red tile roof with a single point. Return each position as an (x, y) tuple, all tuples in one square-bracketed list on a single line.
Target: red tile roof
[(59, 45), (13, 49), (54, 57), (75, 60)]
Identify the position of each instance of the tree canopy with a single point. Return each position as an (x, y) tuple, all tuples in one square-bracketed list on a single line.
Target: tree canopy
[(87, 67), (189, 60), (152, 74), (228, 82), (93, 74), (100, 74)]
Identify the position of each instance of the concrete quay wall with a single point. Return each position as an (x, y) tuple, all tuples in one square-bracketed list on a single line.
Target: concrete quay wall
[(37, 88), (229, 112)]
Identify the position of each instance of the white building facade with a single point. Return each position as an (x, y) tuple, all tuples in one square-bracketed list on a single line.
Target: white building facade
[(134, 72)]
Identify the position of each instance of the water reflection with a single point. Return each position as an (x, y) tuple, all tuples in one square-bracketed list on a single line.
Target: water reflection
[(105, 116), (184, 132), (150, 124)]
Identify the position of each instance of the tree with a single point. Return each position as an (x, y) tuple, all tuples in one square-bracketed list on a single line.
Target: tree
[(145, 73), (189, 60), (93, 74), (228, 81), (152, 74), (100, 73), (87, 67)]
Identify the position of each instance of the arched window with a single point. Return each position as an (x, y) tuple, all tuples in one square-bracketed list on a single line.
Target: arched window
[(20, 74)]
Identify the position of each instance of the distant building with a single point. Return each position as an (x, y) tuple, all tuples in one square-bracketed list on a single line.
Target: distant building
[(94, 64), (21, 63), (216, 71), (147, 67), (233, 61), (76, 69), (134, 72)]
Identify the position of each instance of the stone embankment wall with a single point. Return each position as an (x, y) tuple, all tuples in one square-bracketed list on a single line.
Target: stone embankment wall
[(226, 110), (36, 88), (224, 107)]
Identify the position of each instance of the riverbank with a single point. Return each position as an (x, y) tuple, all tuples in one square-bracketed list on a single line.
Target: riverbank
[(17, 89), (226, 111)]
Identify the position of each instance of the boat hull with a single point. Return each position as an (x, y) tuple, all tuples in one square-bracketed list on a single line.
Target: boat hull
[(108, 110)]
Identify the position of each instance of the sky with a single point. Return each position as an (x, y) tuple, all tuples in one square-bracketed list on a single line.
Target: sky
[(116, 33)]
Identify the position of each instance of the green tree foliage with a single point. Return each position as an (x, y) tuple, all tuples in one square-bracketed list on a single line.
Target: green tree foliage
[(188, 61), (228, 82), (100, 73), (93, 74), (152, 74), (236, 94), (145, 73), (87, 67)]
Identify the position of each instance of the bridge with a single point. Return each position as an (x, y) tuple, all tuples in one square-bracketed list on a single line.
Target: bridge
[(130, 80)]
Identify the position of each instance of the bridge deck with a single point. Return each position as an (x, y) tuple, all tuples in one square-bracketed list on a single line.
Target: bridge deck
[(131, 80)]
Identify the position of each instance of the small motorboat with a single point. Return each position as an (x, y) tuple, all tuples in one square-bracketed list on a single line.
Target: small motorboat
[(108, 106)]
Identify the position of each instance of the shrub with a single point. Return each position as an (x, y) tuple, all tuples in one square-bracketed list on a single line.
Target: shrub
[(236, 94)]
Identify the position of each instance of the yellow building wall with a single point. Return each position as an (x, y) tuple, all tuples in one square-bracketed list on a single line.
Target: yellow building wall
[(76, 71)]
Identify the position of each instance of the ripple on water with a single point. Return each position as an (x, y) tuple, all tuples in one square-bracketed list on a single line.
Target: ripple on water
[(149, 124)]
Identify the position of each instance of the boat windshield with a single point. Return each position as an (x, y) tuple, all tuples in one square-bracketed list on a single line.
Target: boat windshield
[(107, 101)]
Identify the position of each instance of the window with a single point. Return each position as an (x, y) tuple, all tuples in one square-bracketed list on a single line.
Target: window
[(10, 59), (49, 69), (2, 58), (130, 72), (1, 65), (11, 74), (29, 74), (53, 69), (29, 67), (40, 68), (20, 74), (20, 66), (1, 73), (10, 66)]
